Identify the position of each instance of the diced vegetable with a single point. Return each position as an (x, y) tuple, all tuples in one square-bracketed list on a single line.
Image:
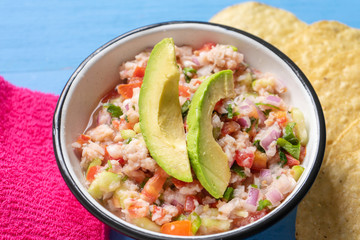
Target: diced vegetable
[(184, 91), (260, 160), (104, 182), (283, 159), (244, 158), (258, 146), (228, 195), (91, 172), (216, 132), (146, 223), (188, 73), (190, 203), (229, 110), (180, 228), (195, 222), (291, 161), (300, 127), (239, 170), (297, 172), (126, 90), (95, 162), (263, 204), (115, 111), (126, 134), (214, 225), (139, 72), (267, 104), (294, 150), (262, 83)]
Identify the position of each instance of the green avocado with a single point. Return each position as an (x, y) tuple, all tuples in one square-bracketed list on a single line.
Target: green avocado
[(161, 121), (207, 158)]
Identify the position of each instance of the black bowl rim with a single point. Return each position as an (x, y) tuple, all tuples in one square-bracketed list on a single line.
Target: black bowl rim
[(245, 232)]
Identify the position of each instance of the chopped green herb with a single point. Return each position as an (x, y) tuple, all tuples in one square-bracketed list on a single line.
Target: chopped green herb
[(182, 217), (144, 182), (254, 186), (293, 150), (258, 146), (185, 108), (283, 158), (266, 104), (109, 165), (133, 107), (277, 177), (126, 118), (124, 178), (229, 110), (263, 204), (115, 111), (188, 73), (252, 121), (228, 195), (289, 133), (238, 170), (127, 141)]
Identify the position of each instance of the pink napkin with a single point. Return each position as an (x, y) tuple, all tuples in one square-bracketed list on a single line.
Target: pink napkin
[(35, 202)]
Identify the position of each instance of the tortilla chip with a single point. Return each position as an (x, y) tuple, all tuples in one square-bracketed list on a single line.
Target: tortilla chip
[(348, 140), (331, 209), (271, 24)]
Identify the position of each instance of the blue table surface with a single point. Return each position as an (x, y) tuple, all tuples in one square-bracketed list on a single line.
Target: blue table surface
[(42, 42)]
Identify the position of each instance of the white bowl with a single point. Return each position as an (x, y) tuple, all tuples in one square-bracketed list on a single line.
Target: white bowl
[(99, 73)]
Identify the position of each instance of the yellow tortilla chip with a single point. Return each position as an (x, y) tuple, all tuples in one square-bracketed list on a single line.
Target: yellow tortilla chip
[(331, 209), (271, 24)]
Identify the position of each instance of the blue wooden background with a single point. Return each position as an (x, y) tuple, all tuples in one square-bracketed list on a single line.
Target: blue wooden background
[(42, 42)]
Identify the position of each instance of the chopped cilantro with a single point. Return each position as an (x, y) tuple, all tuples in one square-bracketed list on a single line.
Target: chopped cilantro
[(124, 178), (289, 133), (252, 121), (263, 204), (115, 111), (127, 141), (254, 186), (229, 110), (238, 170), (216, 132), (188, 73), (258, 146), (133, 107), (283, 158), (266, 104), (267, 112), (185, 108), (126, 118), (109, 165), (144, 182), (228, 195), (293, 150)]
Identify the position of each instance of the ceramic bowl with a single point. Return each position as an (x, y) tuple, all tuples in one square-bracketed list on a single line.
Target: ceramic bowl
[(98, 74)]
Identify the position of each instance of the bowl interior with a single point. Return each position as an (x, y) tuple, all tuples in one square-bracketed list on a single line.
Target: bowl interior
[(99, 73)]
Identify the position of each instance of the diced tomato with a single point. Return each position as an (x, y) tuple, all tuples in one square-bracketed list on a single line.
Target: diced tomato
[(281, 118), (126, 90), (244, 158), (178, 183), (252, 217), (218, 105), (184, 91), (291, 161), (90, 176), (121, 124), (154, 185), (230, 127), (190, 203), (83, 139), (139, 72), (260, 160), (179, 228), (198, 82), (207, 46), (214, 204)]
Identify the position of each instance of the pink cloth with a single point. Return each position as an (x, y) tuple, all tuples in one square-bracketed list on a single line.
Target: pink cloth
[(35, 202)]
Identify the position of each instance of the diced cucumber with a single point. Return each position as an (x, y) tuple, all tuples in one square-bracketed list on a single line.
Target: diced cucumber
[(137, 128), (95, 162), (195, 222), (146, 223), (121, 194), (126, 134), (300, 127), (212, 225), (297, 171), (103, 183)]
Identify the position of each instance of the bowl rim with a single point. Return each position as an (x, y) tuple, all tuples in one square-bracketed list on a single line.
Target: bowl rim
[(256, 228)]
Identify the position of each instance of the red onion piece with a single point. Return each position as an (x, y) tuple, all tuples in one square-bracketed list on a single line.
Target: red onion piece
[(196, 61), (265, 175), (274, 196), (261, 115), (127, 107), (253, 196), (273, 100), (271, 134), (244, 122)]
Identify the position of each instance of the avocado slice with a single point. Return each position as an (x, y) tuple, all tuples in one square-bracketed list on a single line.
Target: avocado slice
[(207, 158), (161, 122)]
